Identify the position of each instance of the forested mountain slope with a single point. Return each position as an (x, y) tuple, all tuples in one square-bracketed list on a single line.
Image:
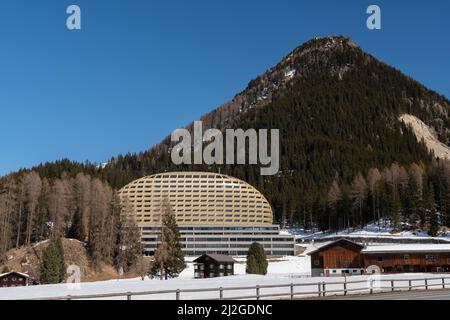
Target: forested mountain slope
[(346, 158), (338, 109)]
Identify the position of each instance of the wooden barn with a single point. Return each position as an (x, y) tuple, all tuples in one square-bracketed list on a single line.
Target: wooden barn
[(337, 258), (345, 257), (213, 265), (14, 279), (408, 258)]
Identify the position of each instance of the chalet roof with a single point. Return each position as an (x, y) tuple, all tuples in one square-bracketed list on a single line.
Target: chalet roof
[(216, 257), (14, 272), (334, 242), (400, 248)]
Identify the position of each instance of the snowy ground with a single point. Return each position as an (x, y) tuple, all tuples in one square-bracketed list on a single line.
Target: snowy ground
[(381, 230), (287, 266), (307, 286), (283, 271)]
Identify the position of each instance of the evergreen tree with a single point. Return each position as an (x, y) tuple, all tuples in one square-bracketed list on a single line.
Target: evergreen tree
[(76, 227), (256, 260), (432, 216), (129, 245), (169, 258), (395, 208), (52, 268), (345, 210)]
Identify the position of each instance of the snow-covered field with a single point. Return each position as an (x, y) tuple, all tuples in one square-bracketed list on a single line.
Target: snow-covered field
[(280, 272), (285, 269), (382, 230), (288, 266), (307, 286)]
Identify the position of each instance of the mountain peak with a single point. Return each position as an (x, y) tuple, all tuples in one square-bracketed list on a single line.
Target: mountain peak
[(332, 56), (328, 42)]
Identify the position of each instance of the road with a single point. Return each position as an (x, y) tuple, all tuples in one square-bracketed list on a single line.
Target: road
[(406, 295)]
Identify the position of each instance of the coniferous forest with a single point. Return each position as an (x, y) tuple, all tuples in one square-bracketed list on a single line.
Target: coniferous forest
[(345, 158)]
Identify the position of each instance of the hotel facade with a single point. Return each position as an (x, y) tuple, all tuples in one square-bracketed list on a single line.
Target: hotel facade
[(216, 214)]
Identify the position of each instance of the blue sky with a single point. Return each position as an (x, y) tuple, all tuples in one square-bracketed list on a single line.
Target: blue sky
[(140, 69)]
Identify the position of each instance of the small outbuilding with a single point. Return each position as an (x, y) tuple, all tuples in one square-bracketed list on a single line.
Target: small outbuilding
[(14, 279), (213, 265)]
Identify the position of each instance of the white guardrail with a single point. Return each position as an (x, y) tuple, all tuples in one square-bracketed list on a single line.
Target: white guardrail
[(318, 289)]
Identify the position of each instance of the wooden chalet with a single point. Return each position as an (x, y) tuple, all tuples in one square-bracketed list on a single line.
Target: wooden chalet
[(14, 279), (213, 265), (345, 257), (337, 258), (408, 258)]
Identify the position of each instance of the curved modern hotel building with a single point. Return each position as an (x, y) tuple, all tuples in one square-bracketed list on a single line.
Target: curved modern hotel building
[(215, 213)]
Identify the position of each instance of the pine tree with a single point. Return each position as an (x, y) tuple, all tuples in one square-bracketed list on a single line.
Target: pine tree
[(333, 200), (373, 181), (432, 217), (359, 194), (256, 260), (129, 245), (76, 227), (61, 264), (395, 208), (168, 259), (52, 268)]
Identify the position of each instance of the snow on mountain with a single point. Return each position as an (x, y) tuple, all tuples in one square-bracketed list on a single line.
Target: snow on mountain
[(381, 230), (290, 74)]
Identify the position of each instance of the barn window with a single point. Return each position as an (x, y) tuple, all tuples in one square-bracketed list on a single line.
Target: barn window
[(406, 256), (380, 259)]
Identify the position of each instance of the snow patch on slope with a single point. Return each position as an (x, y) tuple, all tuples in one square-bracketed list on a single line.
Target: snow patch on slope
[(380, 230), (422, 131)]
